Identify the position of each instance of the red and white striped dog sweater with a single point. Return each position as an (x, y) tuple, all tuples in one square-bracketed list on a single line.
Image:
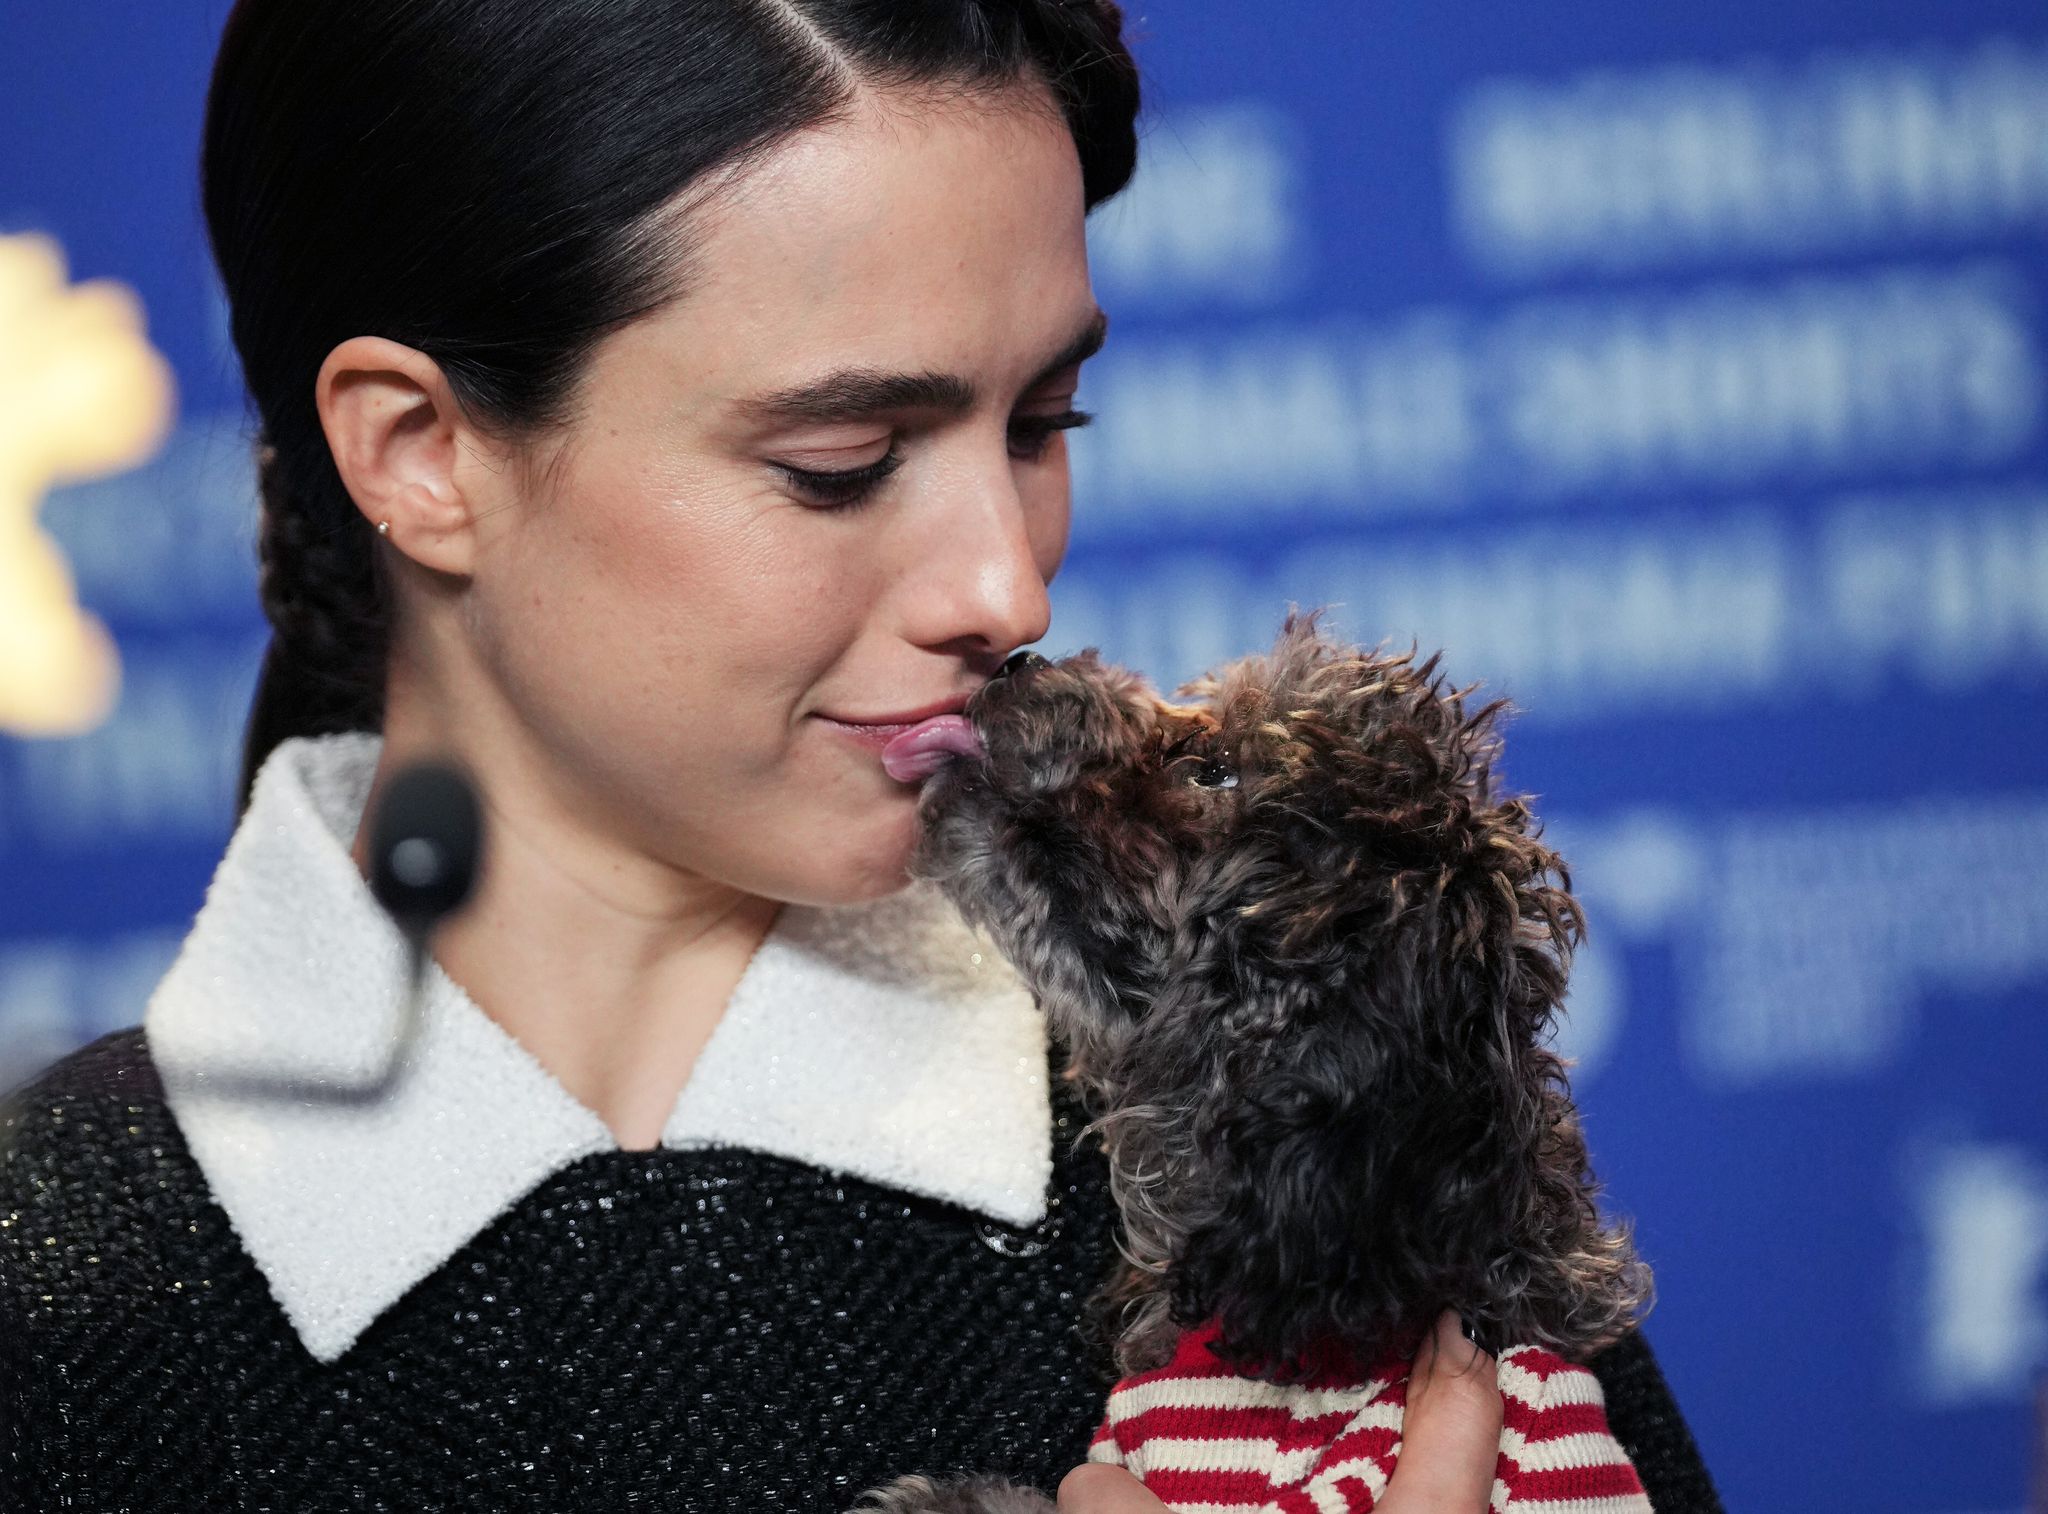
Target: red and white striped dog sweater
[(1204, 1440)]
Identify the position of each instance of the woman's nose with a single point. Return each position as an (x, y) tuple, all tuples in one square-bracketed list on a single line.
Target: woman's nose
[(983, 568)]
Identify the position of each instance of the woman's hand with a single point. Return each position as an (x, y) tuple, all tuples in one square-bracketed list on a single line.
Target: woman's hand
[(1450, 1431), (1450, 1441), (1096, 1487)]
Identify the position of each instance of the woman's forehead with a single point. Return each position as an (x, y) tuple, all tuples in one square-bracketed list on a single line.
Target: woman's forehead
[(938, 242)]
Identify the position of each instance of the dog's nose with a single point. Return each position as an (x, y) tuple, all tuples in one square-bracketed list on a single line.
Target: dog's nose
[(1020, 662)]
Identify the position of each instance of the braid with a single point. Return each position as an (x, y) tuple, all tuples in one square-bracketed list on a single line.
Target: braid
[(329, 617)]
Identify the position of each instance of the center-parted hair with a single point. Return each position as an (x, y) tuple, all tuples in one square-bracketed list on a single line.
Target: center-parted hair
[(502, 185)]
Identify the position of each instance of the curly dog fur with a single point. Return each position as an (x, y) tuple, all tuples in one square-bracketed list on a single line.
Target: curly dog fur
[(1306, 962)]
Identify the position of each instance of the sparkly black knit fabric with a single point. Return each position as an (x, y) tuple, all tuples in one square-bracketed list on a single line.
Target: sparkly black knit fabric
[(705, 1329)]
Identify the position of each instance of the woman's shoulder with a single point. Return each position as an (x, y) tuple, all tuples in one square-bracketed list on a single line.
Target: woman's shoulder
[(1645, 1418), (67, 1104), (86, 1145), (116, 1064)]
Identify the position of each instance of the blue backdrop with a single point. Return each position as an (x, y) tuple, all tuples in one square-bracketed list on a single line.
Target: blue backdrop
[(1681, 371)]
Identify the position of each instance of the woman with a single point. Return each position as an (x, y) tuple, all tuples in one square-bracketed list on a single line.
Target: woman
[(660, 402)]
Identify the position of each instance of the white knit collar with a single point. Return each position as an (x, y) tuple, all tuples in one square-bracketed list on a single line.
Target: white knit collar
[(886, 1040)]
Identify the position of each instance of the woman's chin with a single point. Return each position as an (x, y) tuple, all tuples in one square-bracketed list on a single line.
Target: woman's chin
[(878, 862)]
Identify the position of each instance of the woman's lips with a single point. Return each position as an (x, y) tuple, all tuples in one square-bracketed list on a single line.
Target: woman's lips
[(916, 751)]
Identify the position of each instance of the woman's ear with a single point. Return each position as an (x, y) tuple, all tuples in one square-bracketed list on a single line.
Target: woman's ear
[(398, 438)]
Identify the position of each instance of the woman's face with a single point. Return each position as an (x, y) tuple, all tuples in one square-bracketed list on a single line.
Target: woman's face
[(903, 300)]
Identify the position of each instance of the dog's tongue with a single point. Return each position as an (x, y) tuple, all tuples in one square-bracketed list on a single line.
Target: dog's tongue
[(923, 749)]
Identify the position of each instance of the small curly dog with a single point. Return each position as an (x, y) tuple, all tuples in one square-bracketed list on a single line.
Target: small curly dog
[(1305, 963)]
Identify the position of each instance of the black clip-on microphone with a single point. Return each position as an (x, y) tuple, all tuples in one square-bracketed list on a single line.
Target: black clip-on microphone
[(426, 849)]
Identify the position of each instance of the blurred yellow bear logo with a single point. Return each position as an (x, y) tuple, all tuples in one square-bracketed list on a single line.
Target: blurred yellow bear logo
[(82, 395)]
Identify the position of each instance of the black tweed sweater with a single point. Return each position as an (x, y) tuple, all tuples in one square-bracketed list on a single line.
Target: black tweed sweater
[(704, 1329)]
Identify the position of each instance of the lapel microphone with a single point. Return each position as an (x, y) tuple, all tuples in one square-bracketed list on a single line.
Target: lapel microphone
[(426, 849)]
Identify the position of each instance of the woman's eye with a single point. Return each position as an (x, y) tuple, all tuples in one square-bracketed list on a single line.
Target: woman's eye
[(854, 487), (848, 490), (1030, 433)]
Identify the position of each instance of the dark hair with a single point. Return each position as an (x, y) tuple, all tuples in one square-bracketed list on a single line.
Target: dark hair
[(498, 187)]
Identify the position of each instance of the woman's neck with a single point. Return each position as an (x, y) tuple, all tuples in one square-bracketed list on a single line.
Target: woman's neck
[(611, 967)]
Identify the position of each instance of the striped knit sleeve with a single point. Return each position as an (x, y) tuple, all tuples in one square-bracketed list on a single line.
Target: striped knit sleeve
[(1206, 1439), (1557, 1454), (1102, 1445)]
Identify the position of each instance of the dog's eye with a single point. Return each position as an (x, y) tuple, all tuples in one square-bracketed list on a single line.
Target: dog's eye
[(1198, 767)]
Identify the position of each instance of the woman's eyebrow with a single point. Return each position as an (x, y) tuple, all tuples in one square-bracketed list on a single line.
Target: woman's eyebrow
[(854, 394)]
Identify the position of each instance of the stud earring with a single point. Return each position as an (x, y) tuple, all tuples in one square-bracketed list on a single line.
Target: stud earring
[(383, 528)]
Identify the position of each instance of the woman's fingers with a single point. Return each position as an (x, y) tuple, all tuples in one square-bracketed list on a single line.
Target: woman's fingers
[(1449, 1350), (1098, 1488), (1450, 1431)]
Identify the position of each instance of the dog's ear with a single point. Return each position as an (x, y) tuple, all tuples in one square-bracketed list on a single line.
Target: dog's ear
[(1360, 756), (1407, 1142)]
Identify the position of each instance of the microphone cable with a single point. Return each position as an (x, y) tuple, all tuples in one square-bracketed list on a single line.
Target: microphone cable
[(426, 851)]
